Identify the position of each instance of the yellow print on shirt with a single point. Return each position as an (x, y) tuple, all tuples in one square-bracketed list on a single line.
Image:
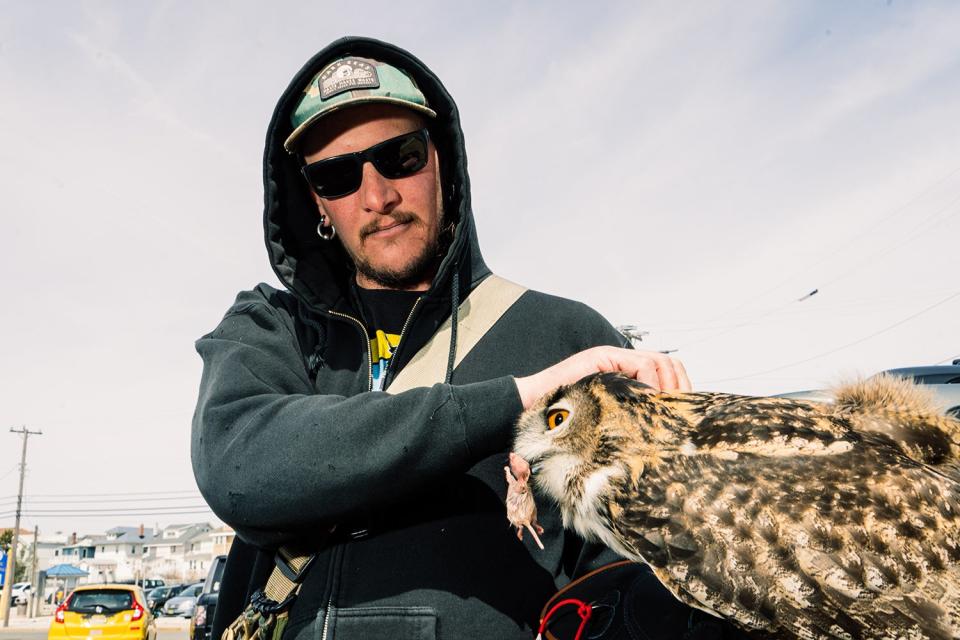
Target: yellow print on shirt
[(382, 346)]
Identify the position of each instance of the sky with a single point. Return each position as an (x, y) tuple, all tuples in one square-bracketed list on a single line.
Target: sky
[(695, 169)]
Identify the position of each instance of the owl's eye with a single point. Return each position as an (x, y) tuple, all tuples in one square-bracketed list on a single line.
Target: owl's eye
[(557, 417)]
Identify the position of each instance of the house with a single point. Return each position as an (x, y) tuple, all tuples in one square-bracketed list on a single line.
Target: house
[(176, 553), (119, 555), (179, 553), (222, 540)]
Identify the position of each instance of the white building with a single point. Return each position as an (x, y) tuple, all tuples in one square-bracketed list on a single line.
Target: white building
[(118, 556), (180, 553)]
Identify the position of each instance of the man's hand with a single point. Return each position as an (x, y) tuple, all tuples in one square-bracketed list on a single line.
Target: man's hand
[(660, 371)]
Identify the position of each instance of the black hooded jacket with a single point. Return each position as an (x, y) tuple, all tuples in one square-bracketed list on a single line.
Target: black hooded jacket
[(288, 442)]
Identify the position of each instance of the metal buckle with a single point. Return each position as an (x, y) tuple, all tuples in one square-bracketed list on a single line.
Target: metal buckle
[(289, 572)]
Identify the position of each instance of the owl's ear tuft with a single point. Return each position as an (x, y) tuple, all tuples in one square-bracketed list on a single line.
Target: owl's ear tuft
[(622, 388)]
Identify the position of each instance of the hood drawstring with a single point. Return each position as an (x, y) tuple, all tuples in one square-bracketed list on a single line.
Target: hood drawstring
[(455, 296)]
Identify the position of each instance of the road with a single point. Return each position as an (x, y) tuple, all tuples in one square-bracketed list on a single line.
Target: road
[(41, 634), (167, 629)]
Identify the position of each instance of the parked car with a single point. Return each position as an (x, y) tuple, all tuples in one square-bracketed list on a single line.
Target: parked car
[(114, 610), (942, 374), (153, 583), (20, 592), (202, 621), (158, 597), (942, 381), (148, 584), (184, 603)]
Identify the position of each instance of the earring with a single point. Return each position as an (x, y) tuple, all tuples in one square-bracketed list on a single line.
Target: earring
[(327, 233)]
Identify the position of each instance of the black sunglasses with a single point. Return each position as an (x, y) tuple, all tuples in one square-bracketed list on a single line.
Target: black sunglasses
[(394, 158)]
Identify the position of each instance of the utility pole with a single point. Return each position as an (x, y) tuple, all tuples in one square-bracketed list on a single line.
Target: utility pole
[(12, 556), (32, 602)]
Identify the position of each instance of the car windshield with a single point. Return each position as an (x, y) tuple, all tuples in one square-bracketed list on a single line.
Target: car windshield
[(193, 591), (100, 601), (159, 592)]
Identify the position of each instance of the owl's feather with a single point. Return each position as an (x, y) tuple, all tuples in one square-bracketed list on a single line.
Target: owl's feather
[(788, 517)]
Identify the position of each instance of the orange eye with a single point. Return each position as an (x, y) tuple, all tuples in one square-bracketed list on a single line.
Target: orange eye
[(557, 417)]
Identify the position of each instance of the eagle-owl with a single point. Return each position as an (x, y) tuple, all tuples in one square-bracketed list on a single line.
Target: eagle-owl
[(794, 518)]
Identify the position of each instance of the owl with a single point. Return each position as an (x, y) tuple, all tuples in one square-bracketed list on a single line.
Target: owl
[(787, 517)]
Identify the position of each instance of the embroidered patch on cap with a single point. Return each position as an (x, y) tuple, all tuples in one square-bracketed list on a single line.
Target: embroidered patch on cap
[(345, 75)]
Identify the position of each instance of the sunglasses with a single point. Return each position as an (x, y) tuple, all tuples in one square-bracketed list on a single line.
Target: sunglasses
[(394, 158)]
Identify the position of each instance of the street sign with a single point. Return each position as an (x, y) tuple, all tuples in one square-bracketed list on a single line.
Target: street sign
[(3, 569)]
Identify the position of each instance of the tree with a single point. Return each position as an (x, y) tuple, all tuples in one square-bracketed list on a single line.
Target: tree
[(6, 541)]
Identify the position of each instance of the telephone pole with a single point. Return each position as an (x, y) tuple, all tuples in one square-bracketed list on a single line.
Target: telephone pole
[(12, 556), (34, 582)]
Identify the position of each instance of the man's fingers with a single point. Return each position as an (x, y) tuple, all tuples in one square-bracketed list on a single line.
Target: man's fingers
[(646, 371), (667, 373), (682, 379), (655, 369)]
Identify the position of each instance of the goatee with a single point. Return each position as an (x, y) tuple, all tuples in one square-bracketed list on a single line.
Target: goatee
[(421, 268)]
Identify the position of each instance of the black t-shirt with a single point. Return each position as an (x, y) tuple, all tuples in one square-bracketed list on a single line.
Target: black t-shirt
[(384, 312)]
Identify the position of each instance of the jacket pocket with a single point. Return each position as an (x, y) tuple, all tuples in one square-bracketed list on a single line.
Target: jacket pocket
[(383, 623)]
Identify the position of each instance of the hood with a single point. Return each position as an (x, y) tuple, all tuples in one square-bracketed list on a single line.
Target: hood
[(317, 271)]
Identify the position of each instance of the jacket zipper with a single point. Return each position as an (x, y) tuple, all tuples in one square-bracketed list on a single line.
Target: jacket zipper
[(366, 342), (334, 585), (326, 619), (363, 330), (403, 332)]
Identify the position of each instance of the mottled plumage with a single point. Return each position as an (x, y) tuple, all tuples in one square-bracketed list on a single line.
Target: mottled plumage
[(794, 518)]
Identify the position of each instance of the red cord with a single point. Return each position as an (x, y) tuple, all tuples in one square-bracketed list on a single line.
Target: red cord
[(584, 610)]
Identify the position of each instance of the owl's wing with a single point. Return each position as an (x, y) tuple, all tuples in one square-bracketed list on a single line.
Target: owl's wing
[(779, 518)]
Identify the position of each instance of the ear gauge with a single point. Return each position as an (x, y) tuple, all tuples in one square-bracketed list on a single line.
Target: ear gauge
[(325, 232)]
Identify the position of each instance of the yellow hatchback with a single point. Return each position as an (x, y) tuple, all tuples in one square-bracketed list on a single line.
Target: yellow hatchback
[(108, 611)]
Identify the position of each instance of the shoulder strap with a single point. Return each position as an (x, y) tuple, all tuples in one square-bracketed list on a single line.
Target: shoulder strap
[(475, 316)]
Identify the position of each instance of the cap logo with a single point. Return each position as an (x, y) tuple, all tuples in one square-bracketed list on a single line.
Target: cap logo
[(345, 75)]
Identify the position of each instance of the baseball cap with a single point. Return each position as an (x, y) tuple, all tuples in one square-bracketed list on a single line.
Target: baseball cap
[(353, 80)]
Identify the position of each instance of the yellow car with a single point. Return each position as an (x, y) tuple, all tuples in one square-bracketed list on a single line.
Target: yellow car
[(110, 611)]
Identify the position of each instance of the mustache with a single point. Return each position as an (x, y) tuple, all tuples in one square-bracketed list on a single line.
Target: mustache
[(397, 217)]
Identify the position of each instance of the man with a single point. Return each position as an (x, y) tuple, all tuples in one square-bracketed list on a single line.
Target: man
[(297, 437)]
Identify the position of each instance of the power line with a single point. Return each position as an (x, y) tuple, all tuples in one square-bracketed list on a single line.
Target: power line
[(113, 510), (843, 275), (918, 230), (108, 515), (85, 495), (841, 247), (842, 347), (110, 500), (29, 515), (848, 302)]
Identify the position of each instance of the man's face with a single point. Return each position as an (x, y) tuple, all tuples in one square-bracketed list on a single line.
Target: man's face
[(390, 228)]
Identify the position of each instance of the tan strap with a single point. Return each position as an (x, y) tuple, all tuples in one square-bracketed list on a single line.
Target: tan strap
[(475, 316), (279, 584)]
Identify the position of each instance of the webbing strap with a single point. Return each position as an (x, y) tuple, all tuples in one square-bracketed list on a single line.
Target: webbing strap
[(280, 584), (475, 316)]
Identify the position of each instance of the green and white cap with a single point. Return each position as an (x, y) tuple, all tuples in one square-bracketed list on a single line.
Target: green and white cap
[(349, 81)]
